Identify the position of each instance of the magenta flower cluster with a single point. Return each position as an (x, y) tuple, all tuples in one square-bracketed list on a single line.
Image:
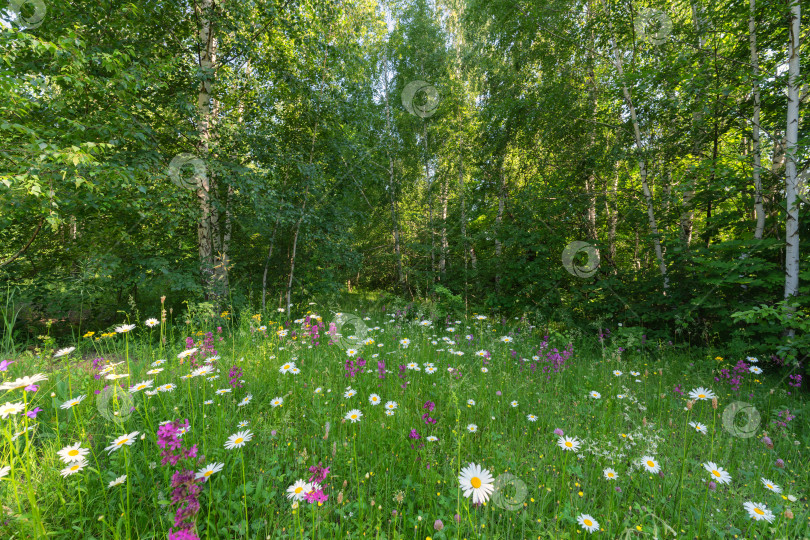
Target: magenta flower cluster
[(352, 367), (314, 330), (381, 369), (235, 374), (319, 473), (185, 487), (429, 405), (734, 376)]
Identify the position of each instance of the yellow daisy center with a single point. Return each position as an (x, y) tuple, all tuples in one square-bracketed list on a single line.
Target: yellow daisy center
[(354, 417), (758, 511), (650, 464), (74, 467), (124, 441), (208, 473), (239, 440), (568, 444), (299, 490), (475, 482), (701, 395), (610, 475), (768, 486), (73, 452), (716, 473), (587, 522)]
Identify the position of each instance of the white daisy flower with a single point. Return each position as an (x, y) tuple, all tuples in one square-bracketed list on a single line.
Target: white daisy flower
[(277, 402), (186, 353), (701, 394), (11, 408), (758, 511), (63, 352), (73, 452), (595, 395), (123, 329), (151, 323), (472, 428), (588, 523), (118, 481), (770, 485), (374, 399), (610, 474), (719, 475), (531, 418), (144, 385), (649, 463), (123, 440), (208, 470), (73, 402), (238, 439), (569, 443), (697, 426), (477, 482), (287, 367), (391, 405), (298, 491), (353, 415), (74, 467), (22, 382)]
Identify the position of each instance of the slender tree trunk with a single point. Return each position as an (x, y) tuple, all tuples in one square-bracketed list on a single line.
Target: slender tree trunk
[(443, 247), (792, 137), (502, 194), (642, 167), (429, 183), (294, 248), (613, 212), (463, 218), (688, 215), (207, 51), (392, 187), (758, 207), (267, 260)]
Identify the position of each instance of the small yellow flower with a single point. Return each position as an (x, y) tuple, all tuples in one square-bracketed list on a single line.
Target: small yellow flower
[(638, 527)]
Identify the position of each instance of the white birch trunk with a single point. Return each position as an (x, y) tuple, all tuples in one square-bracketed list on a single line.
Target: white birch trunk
[(792, 137), (642, 168)]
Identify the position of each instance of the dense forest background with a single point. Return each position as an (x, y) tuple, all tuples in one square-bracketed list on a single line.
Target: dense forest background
[(588, 162)]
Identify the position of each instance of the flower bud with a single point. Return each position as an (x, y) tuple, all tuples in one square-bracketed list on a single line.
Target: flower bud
[(780, 463), (457, 518), (714, 403), (438, 525), (788, 514), (689, 404)]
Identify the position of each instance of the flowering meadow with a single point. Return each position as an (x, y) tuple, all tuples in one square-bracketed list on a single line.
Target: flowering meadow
[(391, 424)]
